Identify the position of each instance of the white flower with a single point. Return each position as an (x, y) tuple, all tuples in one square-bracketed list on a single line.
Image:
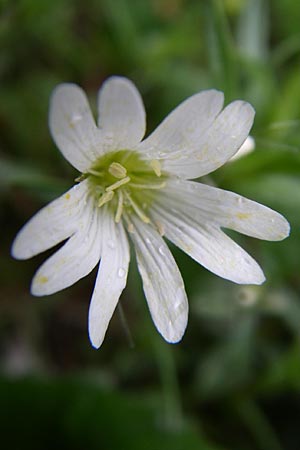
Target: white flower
[(140, 189)]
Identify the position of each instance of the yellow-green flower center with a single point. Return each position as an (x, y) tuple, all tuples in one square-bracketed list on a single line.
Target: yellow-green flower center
[(126, 182)]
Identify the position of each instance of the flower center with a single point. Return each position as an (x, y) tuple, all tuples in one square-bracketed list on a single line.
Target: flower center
[(125, 182)]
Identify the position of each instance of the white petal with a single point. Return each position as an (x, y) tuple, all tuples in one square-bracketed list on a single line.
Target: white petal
[(247, 147), (121, 113), (73, 127), (181, 131), (192, 148), (75, 259), (51, 225), (225, 209), (162, 282), (209, 246), (111, 278)]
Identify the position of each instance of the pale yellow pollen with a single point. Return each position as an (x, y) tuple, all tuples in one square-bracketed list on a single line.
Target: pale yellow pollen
[(117, 170), (105, 198), (243, 215), (116, 185), (42, 279), (156, 166), (67, 196)]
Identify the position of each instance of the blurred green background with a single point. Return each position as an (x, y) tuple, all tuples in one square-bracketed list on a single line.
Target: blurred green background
[(234, 381)]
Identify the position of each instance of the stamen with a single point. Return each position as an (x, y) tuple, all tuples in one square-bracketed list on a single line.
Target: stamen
[(117, 170), (148, 186), (119, 207), (137, 209), (105, 198), (116, 185), (156, 166), (97, 173), (80, 178)]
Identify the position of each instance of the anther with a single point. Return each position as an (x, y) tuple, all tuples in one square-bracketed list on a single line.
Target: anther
[(116, 185), (117, 170), (105, 198), (80, 178)]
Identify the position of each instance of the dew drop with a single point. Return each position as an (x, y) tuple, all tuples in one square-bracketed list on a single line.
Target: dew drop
[(178, 297), (148, 241), (75, 118), (162, 154), (161, 250), (108, 137), (121, 272), (111, 244)]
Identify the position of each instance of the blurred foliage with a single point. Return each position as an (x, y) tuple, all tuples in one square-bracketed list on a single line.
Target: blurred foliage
[(234, 381)]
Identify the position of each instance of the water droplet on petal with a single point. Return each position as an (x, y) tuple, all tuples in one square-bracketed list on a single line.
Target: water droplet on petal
[(121, 272), (111, 244), (162, 154), (75, 118), (148, 241), (178, 297), (161, 250)]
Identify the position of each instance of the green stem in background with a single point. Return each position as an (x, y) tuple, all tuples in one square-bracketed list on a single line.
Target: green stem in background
[(258, 425), (125, 325), (220, 47), (172, 410)]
